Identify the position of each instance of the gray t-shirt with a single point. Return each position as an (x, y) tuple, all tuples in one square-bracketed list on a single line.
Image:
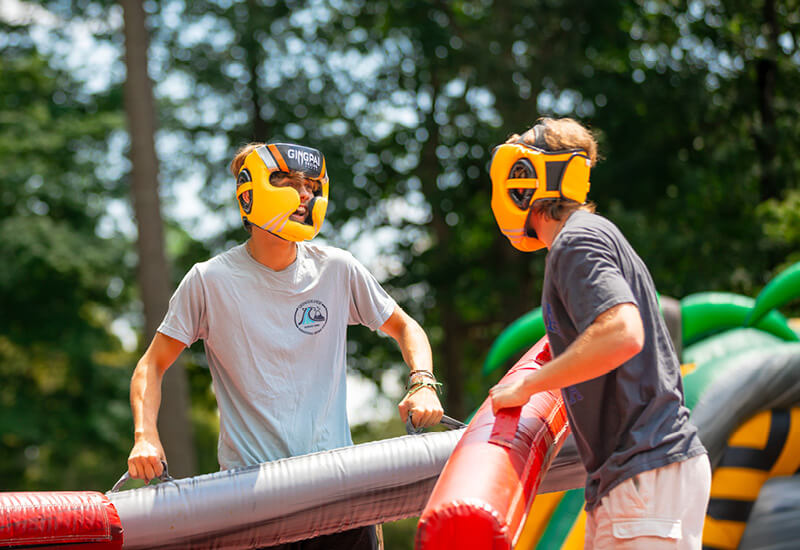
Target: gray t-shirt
[(276, 346), (632, 419)]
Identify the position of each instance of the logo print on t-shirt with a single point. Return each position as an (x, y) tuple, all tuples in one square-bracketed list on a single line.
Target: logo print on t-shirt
[(573, 395), (311, 316), (550, 320)]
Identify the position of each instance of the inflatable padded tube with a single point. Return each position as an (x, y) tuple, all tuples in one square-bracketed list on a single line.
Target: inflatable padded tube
[(486, 489), (743, 385), (707, 313), (75, 520), (289, 499), (774, 522), (671, 312), (727, 343)]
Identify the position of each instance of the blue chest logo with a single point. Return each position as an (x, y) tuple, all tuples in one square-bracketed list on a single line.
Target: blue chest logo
[(311, 316), (573, 395), (550, 320)]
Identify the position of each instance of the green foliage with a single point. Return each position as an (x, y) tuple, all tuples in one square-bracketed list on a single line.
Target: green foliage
[(65, 418), (400, 534), (781, 219)]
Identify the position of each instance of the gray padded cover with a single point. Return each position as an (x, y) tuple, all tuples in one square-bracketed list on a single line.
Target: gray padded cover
[(302, 497), (774, 522), (753, 381), (289, 499)]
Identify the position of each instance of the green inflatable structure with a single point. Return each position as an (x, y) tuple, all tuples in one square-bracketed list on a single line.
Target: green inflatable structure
[(781, 290)]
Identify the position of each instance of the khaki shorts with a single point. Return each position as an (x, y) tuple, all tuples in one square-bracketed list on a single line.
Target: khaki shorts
[(661, 508)]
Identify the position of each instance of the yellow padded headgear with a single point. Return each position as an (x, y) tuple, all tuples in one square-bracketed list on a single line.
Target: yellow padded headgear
[(523, 174), (270, 207)]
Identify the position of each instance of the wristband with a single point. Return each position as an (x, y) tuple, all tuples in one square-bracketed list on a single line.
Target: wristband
[(419, 385), (420, 373)]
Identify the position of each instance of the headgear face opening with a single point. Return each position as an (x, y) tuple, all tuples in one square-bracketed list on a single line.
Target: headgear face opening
[(523, 174), (270, 207)]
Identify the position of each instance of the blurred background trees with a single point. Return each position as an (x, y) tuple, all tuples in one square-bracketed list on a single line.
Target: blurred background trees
[(694, 105), (64, 276)]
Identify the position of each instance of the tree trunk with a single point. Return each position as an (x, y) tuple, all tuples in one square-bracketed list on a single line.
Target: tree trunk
[(450, 360), (254, 57), (153, 273)]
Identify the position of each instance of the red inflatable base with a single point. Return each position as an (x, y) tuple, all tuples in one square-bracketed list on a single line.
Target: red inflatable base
[(75, 520), (488, 484)]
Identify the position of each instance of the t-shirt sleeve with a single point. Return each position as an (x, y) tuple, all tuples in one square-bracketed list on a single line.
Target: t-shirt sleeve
[(370, 304), (589, 280), (186, 317)]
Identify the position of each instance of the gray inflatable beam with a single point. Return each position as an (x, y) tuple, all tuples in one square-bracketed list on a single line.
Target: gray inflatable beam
[(301, 497), (289, 499)]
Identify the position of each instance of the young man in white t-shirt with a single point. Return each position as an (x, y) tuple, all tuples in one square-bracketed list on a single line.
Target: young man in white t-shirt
[(273, 313)]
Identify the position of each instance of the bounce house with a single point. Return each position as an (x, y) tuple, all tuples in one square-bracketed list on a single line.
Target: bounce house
[(507, 481), (741, 374)]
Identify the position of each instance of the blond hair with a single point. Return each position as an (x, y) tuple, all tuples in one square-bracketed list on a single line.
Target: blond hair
[(560, 134), (241, 154)]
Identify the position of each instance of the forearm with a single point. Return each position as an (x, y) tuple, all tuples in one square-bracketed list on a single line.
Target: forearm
[(605, 345), (145, 400), (422, 401), (147, 455), (415, 348)]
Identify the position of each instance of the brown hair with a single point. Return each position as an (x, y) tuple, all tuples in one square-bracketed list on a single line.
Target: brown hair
[(557, 209), (241, 154), (560, 134), (295, 178)]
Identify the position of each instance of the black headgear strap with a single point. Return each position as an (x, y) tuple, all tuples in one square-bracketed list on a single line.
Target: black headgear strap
[(538, 137)]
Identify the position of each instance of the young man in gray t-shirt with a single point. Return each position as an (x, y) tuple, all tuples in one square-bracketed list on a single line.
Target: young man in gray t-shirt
[(648, 475), (273, 313)]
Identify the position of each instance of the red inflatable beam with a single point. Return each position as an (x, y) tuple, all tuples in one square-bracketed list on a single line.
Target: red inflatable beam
[(489, 482), (75, 520)]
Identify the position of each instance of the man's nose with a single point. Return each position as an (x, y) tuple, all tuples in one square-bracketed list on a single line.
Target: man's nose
[(305, 192)]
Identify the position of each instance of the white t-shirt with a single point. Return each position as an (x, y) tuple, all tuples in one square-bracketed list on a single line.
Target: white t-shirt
[(276, 346)]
